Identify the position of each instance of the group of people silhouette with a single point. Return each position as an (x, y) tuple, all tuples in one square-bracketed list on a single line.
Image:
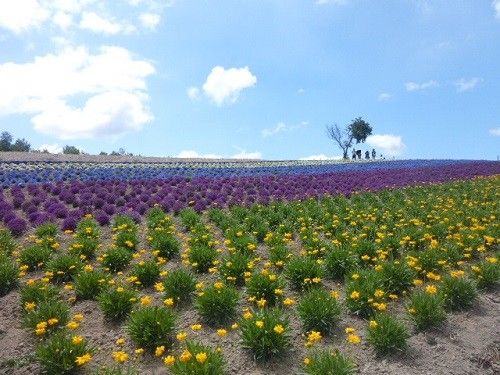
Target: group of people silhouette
[(357, 154)]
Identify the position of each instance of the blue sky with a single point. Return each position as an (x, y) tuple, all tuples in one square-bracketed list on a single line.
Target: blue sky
[(257, 79)]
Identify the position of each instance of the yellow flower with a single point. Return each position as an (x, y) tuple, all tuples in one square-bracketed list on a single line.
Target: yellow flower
[(120, 341), (40, 331), (247, 315), (380, 306), (77, 340), (278, 329), (278, 292), (316, 280), (80, 361), (355, 276), (139, 351), (411, 310), (196, 327), (169, 360), (159, 351), (335, 294), (201, 357), (373, 324), (431, 289), (159, 287), (221, 332), (78, 317), (261, 302), (218, 285), (353, 339), (314, 336), (169, 302), (181, 336), (417, 282), (52, 321), (307, 361), (185, 356), (355, 295), (492, 260), (146, 300), (288, 302), (379, 293), (350, 330), (235, 326), (73, 325), (120, 356), (259, 323)]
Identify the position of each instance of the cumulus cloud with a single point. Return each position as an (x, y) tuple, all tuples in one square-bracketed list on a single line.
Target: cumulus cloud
[(383, 97), (463, 84), (321, 157), (388, 144), (224, 85), (413, 86), (495, 132), (76, 94), (52, 148), (21, 15), (247, 155), (96, 16), (149, 20), (193, 93), (97, 24), (496, 6), (281, 127)]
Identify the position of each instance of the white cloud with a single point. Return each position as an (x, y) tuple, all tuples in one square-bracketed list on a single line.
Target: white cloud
[(53, 148), (247, 155), (383, 97), (74, 94), (463, 84), (387, 144), (413, 86), (301, 91), (190, 154), (63, 20), (97, 24), (150, 20), (495, 132), (224, 86), (96, 16), (193, 93), (334, 2), (21, 15), (321, 157), (496, 5), (280, 126)]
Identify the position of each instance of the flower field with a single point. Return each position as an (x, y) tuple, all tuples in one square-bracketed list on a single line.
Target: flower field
[(250, 268)]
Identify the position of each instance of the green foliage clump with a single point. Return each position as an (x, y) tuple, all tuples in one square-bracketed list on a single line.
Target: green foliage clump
[(487, 273), (64, 267), (89, 284), (60, 354), (202, 257), (339, 261), (387, 334), (35, 256), (217, 303), (203, 360), (318, 311), (364, 292), (8, 276), (7, 242), (267, 286), (426, 309), (47, 230), (179, 285), (38, 291), (303, 272), (116, 259), (116, 303), (266, 333), (85, 246), (397, 277), (147, 272), (326, 362), (43, 312), (151, 327), (233, 267), (164, 244), (459, 293)]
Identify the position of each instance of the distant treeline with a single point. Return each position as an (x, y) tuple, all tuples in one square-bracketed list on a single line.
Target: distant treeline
[(7, 143)]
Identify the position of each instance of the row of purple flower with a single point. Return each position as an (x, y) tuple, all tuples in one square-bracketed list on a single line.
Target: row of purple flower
[(68, 202)]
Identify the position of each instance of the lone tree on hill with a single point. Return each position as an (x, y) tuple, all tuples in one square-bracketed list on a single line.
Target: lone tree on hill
[(358, 130), (72, 150)]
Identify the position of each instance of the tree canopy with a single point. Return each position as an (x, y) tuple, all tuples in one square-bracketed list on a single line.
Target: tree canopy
[(358, 130)]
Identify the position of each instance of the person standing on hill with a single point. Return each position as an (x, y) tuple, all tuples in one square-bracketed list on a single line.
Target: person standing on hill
[(374, 154)]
